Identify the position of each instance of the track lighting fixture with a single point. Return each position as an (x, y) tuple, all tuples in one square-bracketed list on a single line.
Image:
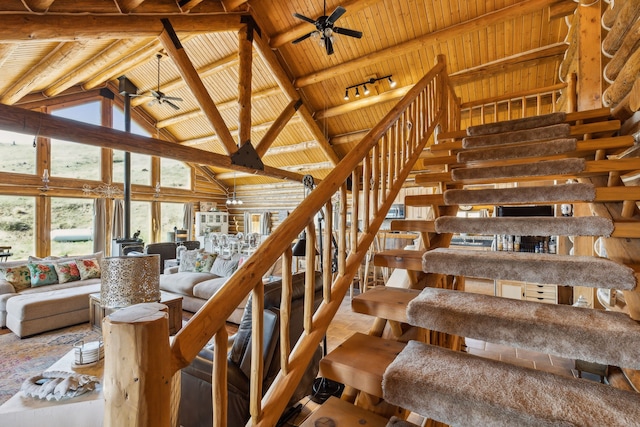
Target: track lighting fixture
[(365, 89)]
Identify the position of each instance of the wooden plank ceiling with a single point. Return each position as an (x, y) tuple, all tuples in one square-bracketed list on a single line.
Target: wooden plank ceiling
[(50, 48)]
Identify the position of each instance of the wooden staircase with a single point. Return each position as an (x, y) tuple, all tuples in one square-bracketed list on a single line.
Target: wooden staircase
[(453, 387)]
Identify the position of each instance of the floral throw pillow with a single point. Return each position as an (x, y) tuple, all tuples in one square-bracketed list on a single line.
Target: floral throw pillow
[(188, 260), (42, 274), (88, 268), (67, 271), (19, 276), (204, 261)]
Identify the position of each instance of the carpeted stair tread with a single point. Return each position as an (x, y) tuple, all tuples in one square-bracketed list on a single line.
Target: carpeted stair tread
[(517, 124), (343, 414), (544, 168), (462, 389), (527, 226), (550, 194), (360, 362), (605, 337), (528, 267), (526, 135), (537, 149), (399, 258)]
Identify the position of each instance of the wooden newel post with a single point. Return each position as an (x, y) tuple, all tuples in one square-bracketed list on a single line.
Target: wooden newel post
[(137, 374)]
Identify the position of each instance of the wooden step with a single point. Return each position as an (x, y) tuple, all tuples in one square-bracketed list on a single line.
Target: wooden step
[(605, 337), (462, 389), (434, 178), (340, 413), (399, 258), (564, 270), (526, 123), (360, 362), (527, 226), (385, 302), (422, 200), (508, 138), (420, 226), (539, 150)]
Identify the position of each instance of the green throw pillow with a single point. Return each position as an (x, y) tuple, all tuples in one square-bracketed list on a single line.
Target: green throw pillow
[(42, 274), (19, 276)]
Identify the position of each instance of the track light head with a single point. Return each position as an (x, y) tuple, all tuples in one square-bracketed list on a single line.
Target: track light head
[(392, 83), (366, 90), (346, 95), (357, 92)]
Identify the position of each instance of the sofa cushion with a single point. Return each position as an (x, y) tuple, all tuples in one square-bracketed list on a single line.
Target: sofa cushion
[(19, 276), (182, 283), (225, 267), (42, 273), (67, 271), (88, 268), (204, 262), (66, 258), (60, 286), (206, 289)]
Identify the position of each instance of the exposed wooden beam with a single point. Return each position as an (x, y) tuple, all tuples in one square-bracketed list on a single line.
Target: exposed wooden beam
[(231, 5), (174, 49), (73, 27), (23, 121), (562, 9), (245, 61), (38, 5), (276, 127), (107, 58), (510, 12), (550, 52), (71, 96), (211, 177), (285, 84), (52, 63), (127, 6)]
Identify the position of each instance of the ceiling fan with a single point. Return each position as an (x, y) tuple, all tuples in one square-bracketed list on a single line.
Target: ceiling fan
[(325, 28), (159, 97)]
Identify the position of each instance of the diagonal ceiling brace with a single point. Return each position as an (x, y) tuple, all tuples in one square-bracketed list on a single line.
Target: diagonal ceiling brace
[(176, 52)]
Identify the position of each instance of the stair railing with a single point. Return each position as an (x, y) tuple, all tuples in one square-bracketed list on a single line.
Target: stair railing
[(378, 167)]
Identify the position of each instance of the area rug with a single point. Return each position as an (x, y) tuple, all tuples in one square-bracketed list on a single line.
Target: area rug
[(24, 358)]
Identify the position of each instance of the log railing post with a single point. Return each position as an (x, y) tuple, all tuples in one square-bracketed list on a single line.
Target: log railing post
[(137, 373)]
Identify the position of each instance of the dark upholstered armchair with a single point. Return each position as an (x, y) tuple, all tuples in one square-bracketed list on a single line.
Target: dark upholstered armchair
[(195, 401), (167, 250)]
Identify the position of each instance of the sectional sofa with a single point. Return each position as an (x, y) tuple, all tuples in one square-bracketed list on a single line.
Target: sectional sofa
[(39, 295)]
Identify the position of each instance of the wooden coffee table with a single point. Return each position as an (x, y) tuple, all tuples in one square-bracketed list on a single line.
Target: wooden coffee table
[(173, 303)]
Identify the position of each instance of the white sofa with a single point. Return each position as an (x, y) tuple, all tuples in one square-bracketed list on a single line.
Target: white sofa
[(196, 287), (32, 310)]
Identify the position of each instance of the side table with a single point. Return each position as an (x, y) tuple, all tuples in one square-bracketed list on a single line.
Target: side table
[(173, 303)]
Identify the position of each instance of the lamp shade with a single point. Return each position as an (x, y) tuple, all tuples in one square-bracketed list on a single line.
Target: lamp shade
[(129, 280)]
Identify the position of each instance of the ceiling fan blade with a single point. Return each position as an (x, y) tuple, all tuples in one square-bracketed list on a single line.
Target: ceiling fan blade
[(173, 98), (171, 104), (299, 39), (336, 15), (329, 45), (304, 18), (347, 32)]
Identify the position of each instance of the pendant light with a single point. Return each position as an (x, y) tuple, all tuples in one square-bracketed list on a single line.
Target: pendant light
[(233, 200)]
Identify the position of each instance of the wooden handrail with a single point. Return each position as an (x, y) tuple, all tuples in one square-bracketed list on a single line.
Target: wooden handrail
[(384, 159)]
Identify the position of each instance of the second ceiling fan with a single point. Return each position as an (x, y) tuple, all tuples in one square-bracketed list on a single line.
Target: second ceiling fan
[(325, 28)]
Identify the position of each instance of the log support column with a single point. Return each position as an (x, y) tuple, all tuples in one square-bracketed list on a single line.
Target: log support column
[(137, 373)]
